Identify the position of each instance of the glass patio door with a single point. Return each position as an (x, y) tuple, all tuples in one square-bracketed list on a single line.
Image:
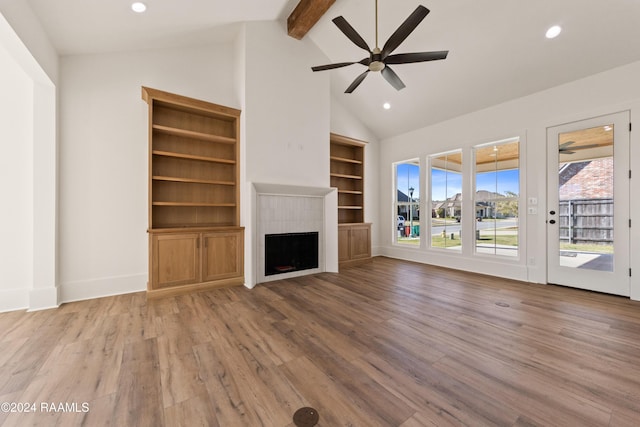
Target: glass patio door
[(588, 204)]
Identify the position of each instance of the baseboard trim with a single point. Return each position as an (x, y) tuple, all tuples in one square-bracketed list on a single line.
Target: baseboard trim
[(43, 298), (197, 287), (14, 300), (105, 287)]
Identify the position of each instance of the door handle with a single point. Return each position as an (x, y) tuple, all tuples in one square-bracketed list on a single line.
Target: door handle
[(552, 221)]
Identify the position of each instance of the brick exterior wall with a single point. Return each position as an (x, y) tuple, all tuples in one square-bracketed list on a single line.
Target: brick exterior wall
[(587, 180)]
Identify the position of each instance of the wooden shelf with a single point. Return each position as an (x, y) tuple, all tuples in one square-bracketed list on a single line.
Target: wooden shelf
[(199, 229), (341, 175), (345, 160), (194, 181), (193, 157), (195, 204), (193, 135)]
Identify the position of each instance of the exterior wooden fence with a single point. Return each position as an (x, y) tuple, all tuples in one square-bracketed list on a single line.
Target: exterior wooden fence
[(586, 221)]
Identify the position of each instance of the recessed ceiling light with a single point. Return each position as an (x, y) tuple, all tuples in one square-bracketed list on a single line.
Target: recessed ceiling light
[(386, 106), (553, 32), (138, 7)]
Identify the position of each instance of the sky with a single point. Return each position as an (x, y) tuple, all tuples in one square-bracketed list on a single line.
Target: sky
[(409, 176)]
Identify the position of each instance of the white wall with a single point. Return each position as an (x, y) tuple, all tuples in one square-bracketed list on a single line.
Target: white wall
[(611, 91), (287, 109), (104, 159), (16, 184), (39, 126), (27, 27), (286, 118)]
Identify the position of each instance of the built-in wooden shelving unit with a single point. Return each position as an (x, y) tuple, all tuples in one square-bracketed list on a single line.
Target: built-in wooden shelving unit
[(195, 238), (346, 161)]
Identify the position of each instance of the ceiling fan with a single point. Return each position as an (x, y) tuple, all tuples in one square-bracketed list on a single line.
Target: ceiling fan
[(379, 59), (566, 147)]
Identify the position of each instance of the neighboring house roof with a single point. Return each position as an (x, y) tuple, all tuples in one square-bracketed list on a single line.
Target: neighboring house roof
[(482, 196)]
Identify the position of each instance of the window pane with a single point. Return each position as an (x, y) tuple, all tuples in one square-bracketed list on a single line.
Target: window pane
[(585, 195), (408, 203), (497, 198), (446, 201)]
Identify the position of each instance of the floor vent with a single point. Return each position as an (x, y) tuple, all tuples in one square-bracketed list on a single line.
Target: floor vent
[(306, 417)]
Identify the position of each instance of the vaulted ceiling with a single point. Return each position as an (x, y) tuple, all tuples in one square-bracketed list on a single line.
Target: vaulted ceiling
[(498, 50)]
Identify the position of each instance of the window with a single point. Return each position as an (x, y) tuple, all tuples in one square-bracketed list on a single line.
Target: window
[(446, 200), (408, 202), (496, 199)]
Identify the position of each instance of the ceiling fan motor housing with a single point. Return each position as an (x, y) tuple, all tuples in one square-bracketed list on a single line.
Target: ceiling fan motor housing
[(376, 61)]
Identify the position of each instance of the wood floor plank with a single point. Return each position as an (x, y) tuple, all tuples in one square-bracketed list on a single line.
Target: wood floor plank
[(32, 353), (392, 343), (336, 406), (139, 396), (197, 411), (224, 387)]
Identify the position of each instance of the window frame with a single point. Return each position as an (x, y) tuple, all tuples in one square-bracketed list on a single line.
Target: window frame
[(417, 204), (521, 205), (430, 200)]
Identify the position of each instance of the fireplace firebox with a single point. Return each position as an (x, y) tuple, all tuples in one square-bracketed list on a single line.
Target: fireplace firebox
[(289, 252)]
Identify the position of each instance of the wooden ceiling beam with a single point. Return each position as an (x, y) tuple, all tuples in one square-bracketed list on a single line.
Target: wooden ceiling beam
[(305, 16)]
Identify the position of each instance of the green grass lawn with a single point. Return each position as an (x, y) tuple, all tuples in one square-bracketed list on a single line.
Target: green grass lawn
[(586, 247), (437, 241), (408, 241), (507, 240)]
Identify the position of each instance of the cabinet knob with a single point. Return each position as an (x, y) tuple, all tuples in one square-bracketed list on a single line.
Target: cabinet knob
[(553, 221)]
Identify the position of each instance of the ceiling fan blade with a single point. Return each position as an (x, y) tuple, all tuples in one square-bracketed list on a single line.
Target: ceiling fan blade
[(404, 30), (566, 144), (407, 58), (332, 66), (365, 61), (567, 152), (563, 148), (393, 79), (356, 82), (351, 33), (584, 147)]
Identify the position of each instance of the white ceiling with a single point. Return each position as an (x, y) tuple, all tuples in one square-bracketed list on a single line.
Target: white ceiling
[(497, 48)]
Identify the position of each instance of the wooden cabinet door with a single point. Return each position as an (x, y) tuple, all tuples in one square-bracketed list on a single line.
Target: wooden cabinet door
[(176, 259), (360, 241), (343, 244), (223, 254)]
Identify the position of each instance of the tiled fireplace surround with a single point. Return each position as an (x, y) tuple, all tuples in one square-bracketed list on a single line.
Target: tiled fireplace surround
[(296, 209)]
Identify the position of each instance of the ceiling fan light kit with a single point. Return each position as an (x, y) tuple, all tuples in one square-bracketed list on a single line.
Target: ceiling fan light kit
[(379, 59)]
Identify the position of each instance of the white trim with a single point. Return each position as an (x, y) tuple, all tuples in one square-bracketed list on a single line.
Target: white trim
[(13, 299), (103, 287)]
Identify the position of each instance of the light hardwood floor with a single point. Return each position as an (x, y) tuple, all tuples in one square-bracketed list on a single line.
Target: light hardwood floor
[(390, 343)]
